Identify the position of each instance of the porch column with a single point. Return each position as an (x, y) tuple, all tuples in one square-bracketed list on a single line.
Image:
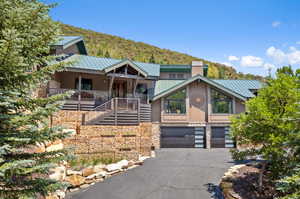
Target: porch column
[(79, 90), (111, 81)]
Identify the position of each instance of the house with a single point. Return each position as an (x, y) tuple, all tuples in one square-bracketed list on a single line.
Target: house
[(185, 107)]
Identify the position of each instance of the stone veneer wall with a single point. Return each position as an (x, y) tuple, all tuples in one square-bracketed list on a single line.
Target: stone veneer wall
[(95, 140)]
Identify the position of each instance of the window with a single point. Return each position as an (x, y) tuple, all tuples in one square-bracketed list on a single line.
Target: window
[(220, 102), (172, 76), (141, 89), (175, 103), (86, 84), (176, 76), (180, 76)]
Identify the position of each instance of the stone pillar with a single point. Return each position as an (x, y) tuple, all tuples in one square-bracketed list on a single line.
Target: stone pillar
[(156, 135), (208, 136)]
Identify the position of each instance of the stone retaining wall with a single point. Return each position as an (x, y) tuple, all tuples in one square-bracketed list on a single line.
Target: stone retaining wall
[(113, 141)]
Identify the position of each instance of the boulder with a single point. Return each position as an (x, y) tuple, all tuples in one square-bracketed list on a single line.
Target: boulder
[(72, 172), (60, 194), (113, 167), (55, 146), (123, 164), (59, 173), (87, 171), (75, 180), (52, 197), (101, 174), (98, 168), (143, 158)]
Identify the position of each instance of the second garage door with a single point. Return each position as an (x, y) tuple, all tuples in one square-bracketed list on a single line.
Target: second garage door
[(177, 137)]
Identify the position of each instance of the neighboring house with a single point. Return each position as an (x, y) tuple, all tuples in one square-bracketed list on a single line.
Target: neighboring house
[(186, 108)]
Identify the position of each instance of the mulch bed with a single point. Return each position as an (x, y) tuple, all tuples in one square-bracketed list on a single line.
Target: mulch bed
[(244, 185)]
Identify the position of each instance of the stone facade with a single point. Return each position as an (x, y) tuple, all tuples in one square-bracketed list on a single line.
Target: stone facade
[(114, 141)]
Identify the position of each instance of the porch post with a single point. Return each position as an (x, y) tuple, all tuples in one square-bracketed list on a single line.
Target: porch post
[(110, 86), (79, 90)]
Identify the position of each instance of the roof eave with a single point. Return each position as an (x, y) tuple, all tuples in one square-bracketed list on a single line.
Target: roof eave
[(197, 77)]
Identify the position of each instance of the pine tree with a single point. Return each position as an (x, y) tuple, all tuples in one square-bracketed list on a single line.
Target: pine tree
[(100, 52), (26, 32), (152, 59), (107, 55)]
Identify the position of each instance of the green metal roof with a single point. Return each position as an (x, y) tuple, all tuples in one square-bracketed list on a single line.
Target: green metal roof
[(242, 87), (238, 88), (99, 64), (175, 68), (164, 85), (67, 40)]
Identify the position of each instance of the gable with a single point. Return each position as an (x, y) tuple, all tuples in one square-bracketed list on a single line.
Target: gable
[(165, 90), (126, 62)]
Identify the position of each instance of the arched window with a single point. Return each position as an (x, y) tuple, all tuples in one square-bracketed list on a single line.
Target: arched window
[(221, 103), (175, 103)]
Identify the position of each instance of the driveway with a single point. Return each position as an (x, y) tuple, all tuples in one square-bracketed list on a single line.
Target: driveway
[(173, 174)]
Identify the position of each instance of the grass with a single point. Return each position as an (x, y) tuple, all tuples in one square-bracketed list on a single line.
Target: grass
[(80, 162)]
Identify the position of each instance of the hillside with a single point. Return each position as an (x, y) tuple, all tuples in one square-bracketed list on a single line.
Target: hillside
[(105, 45)]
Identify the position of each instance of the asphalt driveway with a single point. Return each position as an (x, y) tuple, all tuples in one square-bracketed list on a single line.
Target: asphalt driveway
[(173, 174)]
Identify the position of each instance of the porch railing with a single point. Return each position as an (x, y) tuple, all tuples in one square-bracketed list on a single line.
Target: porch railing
[(86, 95), (116, 108)]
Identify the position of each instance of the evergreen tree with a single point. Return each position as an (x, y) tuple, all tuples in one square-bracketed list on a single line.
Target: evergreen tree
[(152, 59), (26, 32), (107, 55), (100, 52)]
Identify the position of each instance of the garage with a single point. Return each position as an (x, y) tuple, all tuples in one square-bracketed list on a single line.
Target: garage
[(182, 137), (220, 138)]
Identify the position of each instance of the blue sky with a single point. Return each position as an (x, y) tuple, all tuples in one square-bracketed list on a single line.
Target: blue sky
[(250, 35)]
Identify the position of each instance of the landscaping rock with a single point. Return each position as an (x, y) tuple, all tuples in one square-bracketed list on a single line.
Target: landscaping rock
[(98, 168), (75, 189), (84, 186), (139, 162), (52, 197), (60, 194), (143, 158), (113, 167), (101, 174), (59, 173), (55, 146), (75, 180), (72, 172), (123, 164), (88, 171)]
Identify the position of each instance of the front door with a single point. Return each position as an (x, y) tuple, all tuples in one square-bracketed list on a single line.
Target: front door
[(119, 89)]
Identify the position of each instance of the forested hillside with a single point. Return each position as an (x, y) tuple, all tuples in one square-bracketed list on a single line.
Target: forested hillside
[(105, 45)]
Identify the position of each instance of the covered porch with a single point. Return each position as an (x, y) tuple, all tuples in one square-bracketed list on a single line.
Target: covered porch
[(93, 88)]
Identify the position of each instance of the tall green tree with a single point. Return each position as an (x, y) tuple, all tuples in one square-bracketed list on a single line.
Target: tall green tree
[(152, 59), (270, 127), (26, 32), (107, 55)]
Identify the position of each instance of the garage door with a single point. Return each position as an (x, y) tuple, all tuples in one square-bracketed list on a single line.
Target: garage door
[(217, 137), (220, 138), (177, 137)]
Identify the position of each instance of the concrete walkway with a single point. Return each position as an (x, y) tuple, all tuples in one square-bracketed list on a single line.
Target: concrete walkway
[(173, 174)]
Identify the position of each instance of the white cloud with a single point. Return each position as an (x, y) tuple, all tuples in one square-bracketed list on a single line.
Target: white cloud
[(269, 66), (251, 61), (292, 57), (227, 64), (233, 58), (275, 24), (277, 54)]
